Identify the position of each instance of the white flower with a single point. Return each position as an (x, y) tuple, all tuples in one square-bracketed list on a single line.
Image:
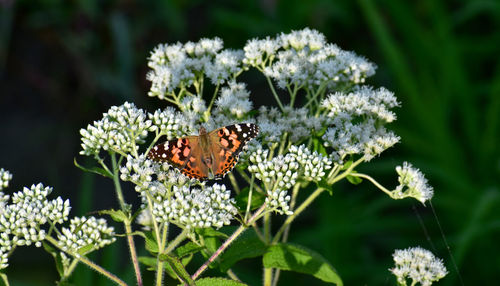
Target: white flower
[(225, 66), (120, 129), (235, 100), (419, 265), (257, 52), (312, 165), (279, 172), (5, 247), (296, 122), (278, 201), (5, 177), (86, 232), (29, 210), (298, 40), (193, 207), (363, 101), (412, 183), (171, 123)]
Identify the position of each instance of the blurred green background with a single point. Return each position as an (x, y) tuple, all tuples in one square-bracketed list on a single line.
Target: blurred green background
[(63, 63)]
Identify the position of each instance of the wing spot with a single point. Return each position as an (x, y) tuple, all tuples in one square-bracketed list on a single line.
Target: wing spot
[(224, 142), (164, 155)]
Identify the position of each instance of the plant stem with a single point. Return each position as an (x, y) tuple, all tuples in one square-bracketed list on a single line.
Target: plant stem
[(87, 262), (180, 238), (300, 209), (234, 182), (128, 227), (226, 243), (268, 272), (377, 184), (274, 93)]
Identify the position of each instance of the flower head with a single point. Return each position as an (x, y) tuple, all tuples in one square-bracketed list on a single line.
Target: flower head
[(357, 121), (30, 209), (86, 232), (313, 166), (412, 183), (419, 265), (191, 208), (5, 177), (120, 129)]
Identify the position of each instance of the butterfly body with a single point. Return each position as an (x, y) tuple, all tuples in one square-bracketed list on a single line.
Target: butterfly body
[(208, 155)]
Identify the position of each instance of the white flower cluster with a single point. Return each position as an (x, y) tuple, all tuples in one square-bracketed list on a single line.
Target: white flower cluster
[(278, 175), (117, 131), (22, 220), (139, 171), (259, 51), (357, 120), (177, 65), (88, 232), (171, 123), (305, 59), (312, 165), (419, 265), (6, 246), (296, 122), (145, 174), (412, 183), (5, 177), (234, 100), (210, 206)]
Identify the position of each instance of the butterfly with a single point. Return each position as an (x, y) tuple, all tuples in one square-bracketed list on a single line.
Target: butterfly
[(209, 155)]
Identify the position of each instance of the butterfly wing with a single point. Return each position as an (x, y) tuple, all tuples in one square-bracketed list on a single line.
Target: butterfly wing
[(227, 143), (182, 153)]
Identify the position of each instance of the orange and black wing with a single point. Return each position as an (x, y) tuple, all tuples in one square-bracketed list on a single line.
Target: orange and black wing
[(184, 154), (228, 142)]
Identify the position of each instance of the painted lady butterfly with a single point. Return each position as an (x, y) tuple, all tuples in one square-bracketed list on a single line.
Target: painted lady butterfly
[(209, 155)]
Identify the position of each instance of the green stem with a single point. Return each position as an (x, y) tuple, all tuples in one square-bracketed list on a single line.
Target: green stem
[(377, 184), (299, 210), (87, 262), (268, 272), (249, 202), (128, 228), (226, 243), (234, 182), (174, 243), (274, 93)]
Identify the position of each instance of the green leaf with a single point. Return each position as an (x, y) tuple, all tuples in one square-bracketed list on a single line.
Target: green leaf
[(85, 249), (354, 180), (148, 261), (187, 249), (210, 232), (300, 259), (96, 170), (151, 244), (178, 268), (116, 215), (247, 245), (242, 199), (57, 257), (216, 281)]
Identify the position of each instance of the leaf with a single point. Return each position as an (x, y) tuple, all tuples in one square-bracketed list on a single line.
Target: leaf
[(216, 281), (247, 245), (85, 249), (187, 249), (242, 199), (353, 179), (300, 259), (178, 268), (148, 261), (116, 215), (151, 244), (210, 232), (57, 257), (96, 170)]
